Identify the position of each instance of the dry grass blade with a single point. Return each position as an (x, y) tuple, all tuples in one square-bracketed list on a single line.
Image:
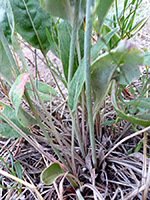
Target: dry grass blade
[(144, 195), (117, 191), (134, 193), (61, 186), (59, 196), (95, 191), (125, 139), (22, 182), (147, 181)]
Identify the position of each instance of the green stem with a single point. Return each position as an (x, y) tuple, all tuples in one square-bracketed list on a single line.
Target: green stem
[(34, 110), (73, 41), (82, 93), (38, 96), (72, 145), (74, 44), (41, 46), (78, 48), (24, 135), (36, 33), (36, 77), (70, 10), (87, 47), (78, 136)]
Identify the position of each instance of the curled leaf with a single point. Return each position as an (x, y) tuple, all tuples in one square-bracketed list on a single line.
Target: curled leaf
[(16, 93), (51, 173), (17, 90)]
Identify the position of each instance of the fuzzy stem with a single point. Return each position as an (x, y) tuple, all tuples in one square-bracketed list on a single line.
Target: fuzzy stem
[(72, 145), (87, 47), (74, 44), (34, 110)]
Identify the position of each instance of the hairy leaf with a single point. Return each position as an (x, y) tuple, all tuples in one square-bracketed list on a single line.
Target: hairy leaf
[(120, 64), (143, 120), (51, 173), (78, 80), (102, 9), (128, 66), (64, 9), (64, 35), (147, 58), (17, 90), (4, 21), (30, 21), (6, 130), (5, 66), (44, 91), (45, 88), (16, 93), (18, 169)]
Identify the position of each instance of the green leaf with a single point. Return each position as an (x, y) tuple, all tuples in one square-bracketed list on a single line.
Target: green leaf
[(16, 93), (120, 64), (43, 89), (5, 66), (5, 129), (143, 121), (4, 22), (51, 173), (102, 43), (102, 70), (53, 38), (44, 97), (17, 90), (8, 132), (25, 118), (106, 29), (64, 35), (30, 21), (138, 147), (147, 58), (18, 169), (129, 70), (64, 9), (75, 87), (78, 80), (12, 160), (58, 8), (102, 9), (140, 102)]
